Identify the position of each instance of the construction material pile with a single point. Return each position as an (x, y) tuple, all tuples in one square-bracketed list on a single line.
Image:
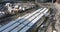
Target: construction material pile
[(13, 8)]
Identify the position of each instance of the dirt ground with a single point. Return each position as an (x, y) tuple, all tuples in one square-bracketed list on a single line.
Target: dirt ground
[(57, 16), (57, 25)]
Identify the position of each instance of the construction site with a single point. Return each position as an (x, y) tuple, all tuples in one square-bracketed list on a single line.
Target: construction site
[(29, 15)]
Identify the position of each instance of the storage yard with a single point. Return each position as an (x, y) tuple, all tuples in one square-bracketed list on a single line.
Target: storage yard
[(29, 16)]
